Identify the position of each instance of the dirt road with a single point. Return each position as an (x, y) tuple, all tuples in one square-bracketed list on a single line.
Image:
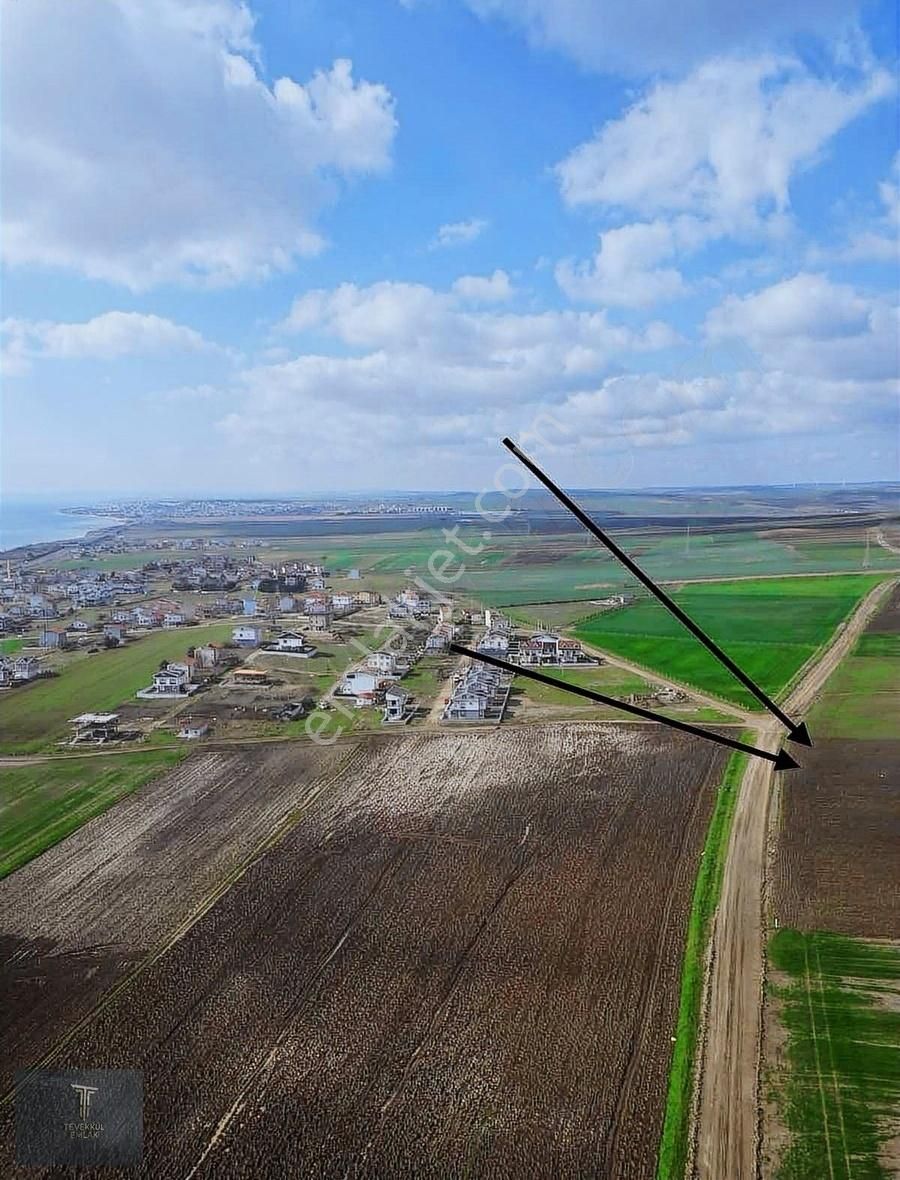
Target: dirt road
[(726, 1135)]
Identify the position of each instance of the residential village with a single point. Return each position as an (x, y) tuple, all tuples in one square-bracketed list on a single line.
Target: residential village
[(266, 645), (288, 643)]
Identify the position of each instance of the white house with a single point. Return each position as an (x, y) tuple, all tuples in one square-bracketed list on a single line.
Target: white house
[(494, 643), (294, 643), (365, 686), (25, 668), (545, 649), (173, 618), (386, 663), (172, 679), (342, 603), (396, 705), (247, 635), (320, 620), (441, 637)]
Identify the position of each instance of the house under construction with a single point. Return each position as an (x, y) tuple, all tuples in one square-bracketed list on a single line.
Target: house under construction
[(480, 693)]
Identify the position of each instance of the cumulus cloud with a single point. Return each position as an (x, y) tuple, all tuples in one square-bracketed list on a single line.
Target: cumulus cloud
[(426, 377), (722, 143), (700, 178), (430, 345), (142, 144), (495, 288), (655, 411), (625, 271), (456, 233), (645, 36), (105, 337), (810, 326)]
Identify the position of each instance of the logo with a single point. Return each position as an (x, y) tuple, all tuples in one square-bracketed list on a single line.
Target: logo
[(86, 1093), (79, 1118)]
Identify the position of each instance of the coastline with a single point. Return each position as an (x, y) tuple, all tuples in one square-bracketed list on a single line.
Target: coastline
[(43, 544)]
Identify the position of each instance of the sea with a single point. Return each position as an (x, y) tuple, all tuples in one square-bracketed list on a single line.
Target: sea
[(30, 521)]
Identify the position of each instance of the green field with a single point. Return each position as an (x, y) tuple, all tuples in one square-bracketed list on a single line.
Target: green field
[(840, 1095), (33, 717), (611, 681), (10, 646), (676, 1125), (770, 627), (588, 571), (862, 697), (513, 568), (43, 802)]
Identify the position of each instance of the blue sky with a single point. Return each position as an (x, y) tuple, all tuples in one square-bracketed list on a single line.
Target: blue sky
[(330, 245)]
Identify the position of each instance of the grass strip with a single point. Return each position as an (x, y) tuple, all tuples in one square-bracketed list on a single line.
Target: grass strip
[(673, 1147), (42, 803)]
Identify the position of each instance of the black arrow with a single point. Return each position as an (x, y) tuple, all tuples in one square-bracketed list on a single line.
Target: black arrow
[(782, 760), (797, 731)]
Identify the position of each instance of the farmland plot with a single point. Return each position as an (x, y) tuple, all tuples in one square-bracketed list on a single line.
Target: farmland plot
[(464, 960), (836, 867), (84, 914), (831, 1027)]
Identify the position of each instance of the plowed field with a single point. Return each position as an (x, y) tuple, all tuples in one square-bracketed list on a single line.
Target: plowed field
[(463, 958)]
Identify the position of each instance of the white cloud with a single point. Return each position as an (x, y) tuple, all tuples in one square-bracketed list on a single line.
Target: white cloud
[(105, 337), (427, 381), (424, 371), (425, 338), (625, 270), (456, 233), (723, 143), (649, 410), (812, 327), (495, 288), (142, 145), (644, 36)]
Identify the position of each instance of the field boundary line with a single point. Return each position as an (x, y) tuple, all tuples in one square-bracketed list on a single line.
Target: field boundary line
[(774, 819), (839, 1102), (273, 837), (815, 1045)]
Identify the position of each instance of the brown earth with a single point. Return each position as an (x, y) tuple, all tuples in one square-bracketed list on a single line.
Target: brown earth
[(887, 620), (464, 959), (836, 867), (83, 915)]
